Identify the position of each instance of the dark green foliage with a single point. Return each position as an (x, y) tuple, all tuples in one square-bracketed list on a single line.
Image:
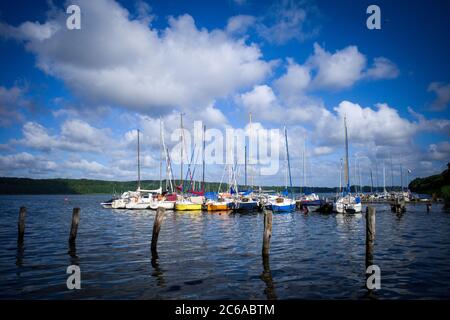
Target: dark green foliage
[(433, 184), (86, 186)]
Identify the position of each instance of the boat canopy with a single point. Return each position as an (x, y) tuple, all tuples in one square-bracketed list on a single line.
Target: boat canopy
[(212, 195)]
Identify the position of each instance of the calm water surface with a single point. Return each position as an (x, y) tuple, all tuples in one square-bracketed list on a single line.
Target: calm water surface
[(218, 256)]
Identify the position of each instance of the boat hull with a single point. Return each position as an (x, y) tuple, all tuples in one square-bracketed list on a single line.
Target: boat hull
[(168, 205), (246, 206), (217, 207), (188, 207), (283, 207), (348, 208)]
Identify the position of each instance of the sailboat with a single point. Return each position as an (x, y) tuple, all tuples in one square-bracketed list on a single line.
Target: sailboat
[(245, 200), (282, 203), (347, 203), (184, 203), (139, 199), (166, 199), (308, 198)]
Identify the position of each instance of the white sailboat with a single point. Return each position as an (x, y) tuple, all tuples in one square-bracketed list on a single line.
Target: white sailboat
[(139, 199), (348, 203)]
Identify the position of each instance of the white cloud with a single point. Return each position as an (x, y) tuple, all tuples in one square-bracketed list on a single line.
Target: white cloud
[(431, 125), (294, 82), (285, 21), (239, 24), (337, 70), (439, 151), (115, 60), (442, 91), (12, 103), (25, 162), (382, 68), (76, 135), (86, 166)]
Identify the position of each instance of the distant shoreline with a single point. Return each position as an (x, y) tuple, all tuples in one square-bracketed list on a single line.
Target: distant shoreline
[(61, 186)]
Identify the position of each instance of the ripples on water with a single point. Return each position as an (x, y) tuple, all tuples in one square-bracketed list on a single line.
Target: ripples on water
[(218, 256)]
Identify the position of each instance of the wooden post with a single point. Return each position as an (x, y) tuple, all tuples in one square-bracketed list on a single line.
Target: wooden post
[(74, 226), (267, 232), (21, 224), (370, 235), (156, 228)]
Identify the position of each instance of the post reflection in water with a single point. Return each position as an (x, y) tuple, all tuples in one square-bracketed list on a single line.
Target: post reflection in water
[(266, 276), (19, 257), (74, 259), (158, 272)]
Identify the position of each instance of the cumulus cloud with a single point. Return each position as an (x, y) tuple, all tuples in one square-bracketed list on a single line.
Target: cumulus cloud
[(441, 126), (240, 24), (76, 135), (26, 163), (439, 151), (117, 60), (382, 68), (337, 70), (86, 166), (442, 92), (294, 82), (12, 104), (286, 20)]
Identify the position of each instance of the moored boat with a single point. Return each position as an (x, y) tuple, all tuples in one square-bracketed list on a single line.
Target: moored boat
[(348, 203)]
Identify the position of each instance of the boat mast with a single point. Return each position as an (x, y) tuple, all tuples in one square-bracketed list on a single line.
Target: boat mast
[(340, 178), (203, 160), (251, 148), (138, 162), (401, 176), (160, 153), (245, 165), (347, 178), (181, 151), (288, 162), (392, 174), (303, 169), (376, 175), (359, 176), (384, 177), (371, 181)]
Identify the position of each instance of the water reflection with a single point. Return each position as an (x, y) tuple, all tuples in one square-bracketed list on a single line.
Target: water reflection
[(266, 276), (213, 254), (158, 273), (19, 256), (74, 259)]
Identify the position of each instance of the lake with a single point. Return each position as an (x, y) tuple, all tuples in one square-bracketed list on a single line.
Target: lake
[(218, 256)]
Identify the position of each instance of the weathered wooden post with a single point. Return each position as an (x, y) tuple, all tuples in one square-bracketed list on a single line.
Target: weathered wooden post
[(267, 232), (370, 235), (74, 226), (21, 225), (156, 228)]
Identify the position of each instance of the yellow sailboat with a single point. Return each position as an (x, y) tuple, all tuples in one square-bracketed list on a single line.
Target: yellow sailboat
[(186, 205)]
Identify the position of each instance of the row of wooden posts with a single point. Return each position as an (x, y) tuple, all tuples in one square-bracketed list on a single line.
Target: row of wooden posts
[(159, 217)]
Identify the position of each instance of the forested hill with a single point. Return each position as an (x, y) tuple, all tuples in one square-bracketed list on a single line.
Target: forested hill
[(437, 185), (68, 186), (433, 184), (87, 186)]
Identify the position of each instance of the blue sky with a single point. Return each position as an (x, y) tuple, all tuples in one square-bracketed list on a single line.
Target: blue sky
[(70, 100)]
